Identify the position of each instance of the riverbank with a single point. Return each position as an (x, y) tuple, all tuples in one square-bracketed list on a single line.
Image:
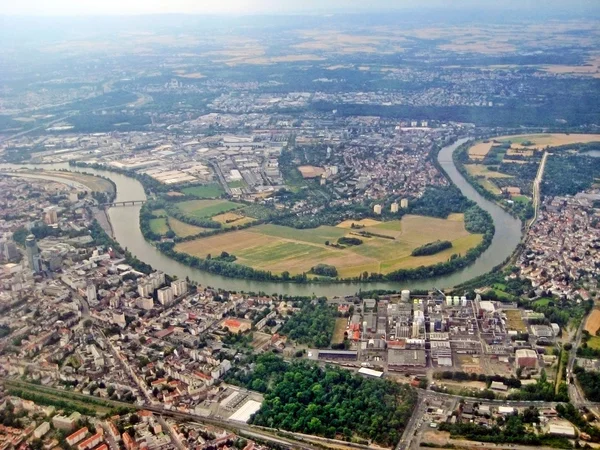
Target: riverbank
[(125, 221)]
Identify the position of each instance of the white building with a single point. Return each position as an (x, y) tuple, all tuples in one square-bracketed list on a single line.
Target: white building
[(145, 289), (394, 207), (377, 209), (145, 303), (404, 203), (165, 296), (179, 287), (41, 430), (91, 294)]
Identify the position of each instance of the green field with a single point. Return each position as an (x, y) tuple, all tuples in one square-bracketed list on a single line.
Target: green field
[(594, 342), (206, 208), (542, 301), (279, 248), (237, 184), (212, 190), (521, 199), (159, 226)]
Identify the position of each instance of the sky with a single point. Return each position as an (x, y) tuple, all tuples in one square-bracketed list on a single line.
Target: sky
[(134, 7)]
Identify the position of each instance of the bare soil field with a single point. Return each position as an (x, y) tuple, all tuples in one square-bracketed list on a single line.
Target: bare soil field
[(232, 219), (592, 324), (514, 320), (310, 171)]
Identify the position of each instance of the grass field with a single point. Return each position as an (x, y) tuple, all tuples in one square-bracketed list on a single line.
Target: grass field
[(594, 342), (159, 226), (480, 170), (489, 185), (212, 190), (278, 248), (237, 184), (340, 329), (182, 229), (592, 324), (159, 212), (542, 301), (206, 208)]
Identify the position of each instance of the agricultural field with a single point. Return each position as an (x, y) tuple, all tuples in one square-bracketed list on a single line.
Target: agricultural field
[(231, 219), (279, 248), (206, 208), (212, 190), (159, 226), (514, 320), (594, 342), (592, 324), (535, 142), (480, 170), (183, 229)]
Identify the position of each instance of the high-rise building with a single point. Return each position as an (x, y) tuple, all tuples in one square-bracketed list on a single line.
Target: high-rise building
[(51, 215), (394, 207), (8, 250), (165, 296), (91, 293), (179, 287), (33, 254), (377, 209), (404, 203)]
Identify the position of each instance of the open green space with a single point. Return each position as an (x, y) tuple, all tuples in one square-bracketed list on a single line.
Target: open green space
[(542, 301), (159, 226), (206, 208), (594, 342), (386, 248), (212, 190), (237, 184)]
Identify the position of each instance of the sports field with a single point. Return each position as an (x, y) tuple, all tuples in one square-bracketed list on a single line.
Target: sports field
[(207, 208), (278, 248)]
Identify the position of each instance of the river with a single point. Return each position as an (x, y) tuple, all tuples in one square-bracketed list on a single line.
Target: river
[(125, 222)]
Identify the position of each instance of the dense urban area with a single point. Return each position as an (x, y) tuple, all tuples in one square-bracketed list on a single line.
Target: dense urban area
[(147, 173)]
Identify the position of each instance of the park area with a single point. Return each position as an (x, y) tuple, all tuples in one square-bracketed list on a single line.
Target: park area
[(386, 247)]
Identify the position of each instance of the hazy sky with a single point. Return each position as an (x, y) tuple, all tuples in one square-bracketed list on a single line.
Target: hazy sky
[(121, 7)]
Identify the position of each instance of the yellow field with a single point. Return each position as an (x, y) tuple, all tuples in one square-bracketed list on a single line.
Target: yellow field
[(365, 222), (479, 150), (479, 170), (277, 248), (592, 324), (232, 219), (183, 229), (539, 142)]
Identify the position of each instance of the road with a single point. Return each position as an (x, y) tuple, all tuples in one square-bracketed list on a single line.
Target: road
[(537, 184), (412, 427)]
